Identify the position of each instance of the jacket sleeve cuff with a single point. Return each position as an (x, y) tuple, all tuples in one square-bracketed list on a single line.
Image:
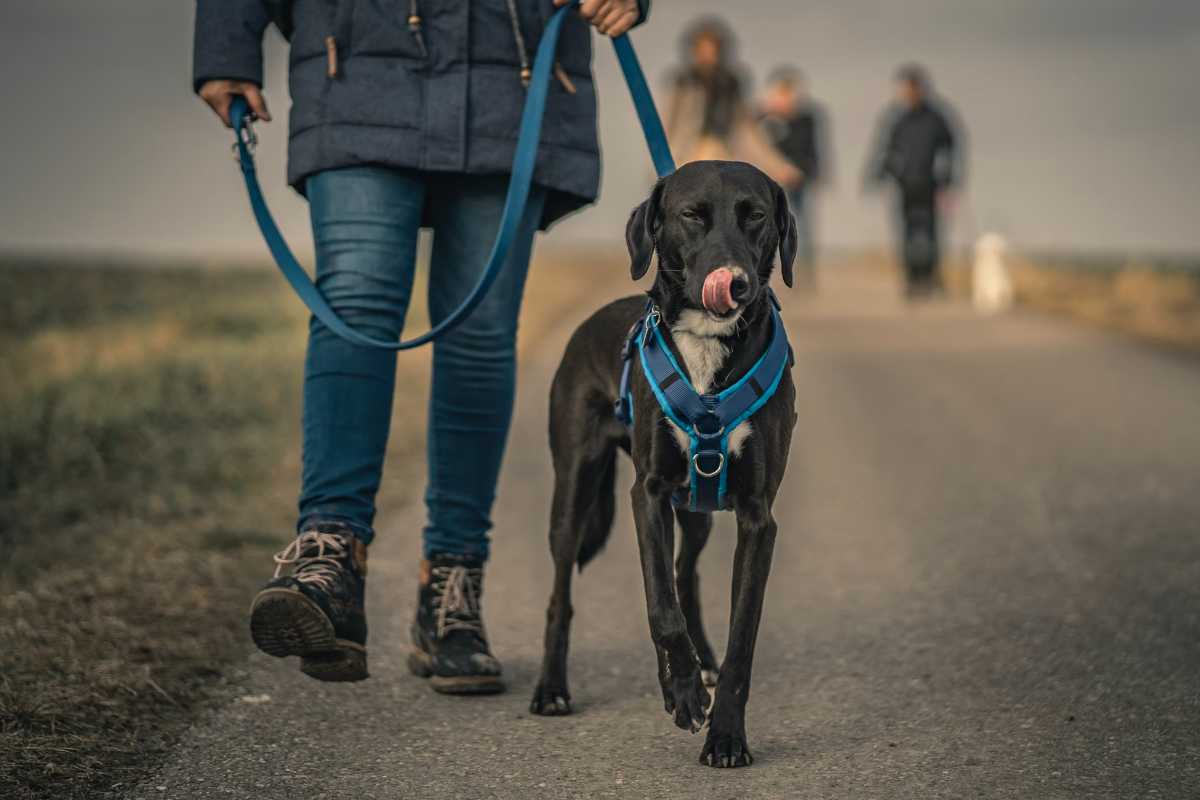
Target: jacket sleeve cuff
[(228, 41)]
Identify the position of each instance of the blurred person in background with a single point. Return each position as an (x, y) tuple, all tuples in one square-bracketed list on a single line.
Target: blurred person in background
[(405, 115), (918, 149), (707, 114), (795, 125)]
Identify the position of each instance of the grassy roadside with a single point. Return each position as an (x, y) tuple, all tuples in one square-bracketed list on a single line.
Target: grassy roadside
[(146, 419), (148, 461), (1151, 300)]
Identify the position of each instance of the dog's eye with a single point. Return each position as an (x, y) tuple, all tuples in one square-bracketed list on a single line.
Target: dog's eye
[(756, 216), (690, 215)]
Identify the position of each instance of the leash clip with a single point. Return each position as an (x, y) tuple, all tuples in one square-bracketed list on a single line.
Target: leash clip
[(247, 138), (651, 322)]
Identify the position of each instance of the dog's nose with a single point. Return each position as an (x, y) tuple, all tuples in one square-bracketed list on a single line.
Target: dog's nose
[(739, 288)]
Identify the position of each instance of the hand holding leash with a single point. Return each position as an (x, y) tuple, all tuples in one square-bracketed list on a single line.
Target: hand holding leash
[(222, 94), (241, 111), (610, 17)]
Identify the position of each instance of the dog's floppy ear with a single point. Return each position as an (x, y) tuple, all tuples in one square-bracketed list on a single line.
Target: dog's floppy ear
[(785, 224), (641, 233)]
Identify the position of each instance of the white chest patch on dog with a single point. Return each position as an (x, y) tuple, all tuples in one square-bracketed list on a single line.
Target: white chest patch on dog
[(695, 334)]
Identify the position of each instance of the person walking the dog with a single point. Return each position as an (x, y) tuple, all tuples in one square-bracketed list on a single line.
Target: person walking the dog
[(919, 150), (795, 125), (405, 115), (707, 113)]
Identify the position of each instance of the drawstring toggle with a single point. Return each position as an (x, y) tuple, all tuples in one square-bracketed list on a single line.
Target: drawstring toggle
[(414, 27)]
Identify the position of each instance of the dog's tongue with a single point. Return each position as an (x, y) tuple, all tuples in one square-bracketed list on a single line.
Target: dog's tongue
[(716, 293)]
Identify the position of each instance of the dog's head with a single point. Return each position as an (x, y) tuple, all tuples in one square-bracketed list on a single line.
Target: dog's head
[(716, 226)]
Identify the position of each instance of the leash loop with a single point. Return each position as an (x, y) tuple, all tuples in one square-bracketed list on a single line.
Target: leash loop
[(521, 179)]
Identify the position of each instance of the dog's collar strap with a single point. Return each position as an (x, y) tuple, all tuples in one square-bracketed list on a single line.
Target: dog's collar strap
[(708, 419)]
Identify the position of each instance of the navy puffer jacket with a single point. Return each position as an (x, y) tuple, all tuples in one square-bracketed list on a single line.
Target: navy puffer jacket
[(368, 89)]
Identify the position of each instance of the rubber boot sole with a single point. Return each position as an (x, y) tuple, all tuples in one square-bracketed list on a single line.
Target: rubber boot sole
[(421, 664), (283, 622)]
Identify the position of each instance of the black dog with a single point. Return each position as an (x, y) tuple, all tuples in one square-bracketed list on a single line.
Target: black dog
[(716, 226)]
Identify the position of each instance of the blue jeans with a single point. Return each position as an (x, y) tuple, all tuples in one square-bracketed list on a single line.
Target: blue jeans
[(365, 222)]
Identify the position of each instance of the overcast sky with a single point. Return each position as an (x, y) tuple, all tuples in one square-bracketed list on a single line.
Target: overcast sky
[(1083, 115)]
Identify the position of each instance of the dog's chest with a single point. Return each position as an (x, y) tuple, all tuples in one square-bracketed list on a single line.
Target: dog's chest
[(703, 355)]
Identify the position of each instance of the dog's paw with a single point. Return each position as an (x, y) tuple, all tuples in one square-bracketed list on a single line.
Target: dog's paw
[(550, 702), (724, 749), (689, 702)]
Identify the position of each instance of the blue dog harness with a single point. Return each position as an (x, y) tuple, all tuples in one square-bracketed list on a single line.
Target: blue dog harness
[(524, 160), (708, 419)]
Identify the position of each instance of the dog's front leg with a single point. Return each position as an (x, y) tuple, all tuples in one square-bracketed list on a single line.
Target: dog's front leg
[(726, 745), (683, 690)]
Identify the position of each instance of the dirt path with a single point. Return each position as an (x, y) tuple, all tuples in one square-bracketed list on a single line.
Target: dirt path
[(986, 585)]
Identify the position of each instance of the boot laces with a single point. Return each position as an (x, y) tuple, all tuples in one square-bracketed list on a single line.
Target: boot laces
[(315, 558), (456, 599)]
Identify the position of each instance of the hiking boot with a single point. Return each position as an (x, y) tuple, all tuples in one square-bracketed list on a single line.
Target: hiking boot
[(316, 610), (450, 644)]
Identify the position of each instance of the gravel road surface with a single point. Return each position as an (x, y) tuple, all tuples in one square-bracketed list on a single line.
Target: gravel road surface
[(987, 584)]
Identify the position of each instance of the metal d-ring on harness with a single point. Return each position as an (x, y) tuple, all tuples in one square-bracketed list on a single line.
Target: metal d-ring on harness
[(708, 419), (524, 161)]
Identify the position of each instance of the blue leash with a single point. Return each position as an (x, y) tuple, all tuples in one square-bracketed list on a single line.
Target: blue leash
[(514, 204)]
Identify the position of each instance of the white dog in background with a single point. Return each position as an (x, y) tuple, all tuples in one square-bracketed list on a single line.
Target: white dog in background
[(991, 287)]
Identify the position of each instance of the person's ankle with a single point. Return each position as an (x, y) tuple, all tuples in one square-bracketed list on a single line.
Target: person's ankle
[(350, 530), (430, 560)]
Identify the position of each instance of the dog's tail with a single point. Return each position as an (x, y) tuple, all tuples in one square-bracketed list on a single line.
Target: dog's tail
[(597, 525)]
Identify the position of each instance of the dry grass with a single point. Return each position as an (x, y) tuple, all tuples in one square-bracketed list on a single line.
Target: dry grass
[(148, 464), (1155, 301), (1137, 299), (146, 419)]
